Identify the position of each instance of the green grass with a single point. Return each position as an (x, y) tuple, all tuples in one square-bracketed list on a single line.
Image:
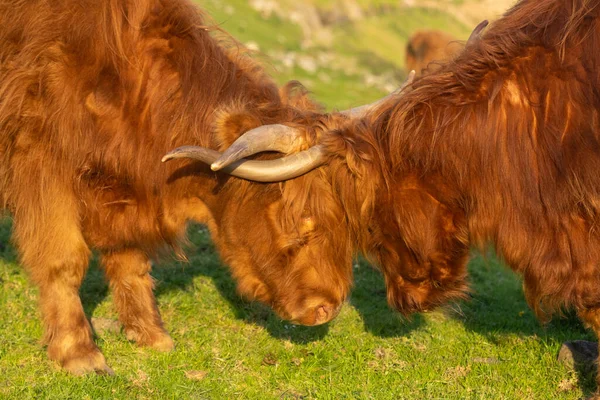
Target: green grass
[(240, 20), (488, 347)]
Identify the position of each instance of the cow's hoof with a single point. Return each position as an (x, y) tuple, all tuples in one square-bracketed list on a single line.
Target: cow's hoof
[(160, 341), (164, 343), (84, 364)]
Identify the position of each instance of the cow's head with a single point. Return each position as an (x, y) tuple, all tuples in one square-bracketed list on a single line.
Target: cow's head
[(281, 228), (289, 248)]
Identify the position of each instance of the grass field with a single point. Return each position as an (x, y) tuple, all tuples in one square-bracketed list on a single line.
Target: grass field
[(490, 347)]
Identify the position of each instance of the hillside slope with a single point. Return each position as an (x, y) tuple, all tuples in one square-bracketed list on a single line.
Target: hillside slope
[(347, 52)]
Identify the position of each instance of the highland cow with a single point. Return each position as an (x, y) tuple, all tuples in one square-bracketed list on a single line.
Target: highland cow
[(427, 50), (92, 95)]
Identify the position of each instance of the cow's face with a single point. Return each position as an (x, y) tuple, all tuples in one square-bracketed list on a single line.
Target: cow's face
[(421, 244), (289, 249), (287, 240)]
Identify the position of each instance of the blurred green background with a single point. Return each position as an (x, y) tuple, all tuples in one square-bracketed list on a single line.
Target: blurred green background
[(347, 51)]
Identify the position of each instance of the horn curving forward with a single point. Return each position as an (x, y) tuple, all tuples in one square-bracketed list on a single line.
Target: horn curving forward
[(280, 138), (280, 169), (476, 34)]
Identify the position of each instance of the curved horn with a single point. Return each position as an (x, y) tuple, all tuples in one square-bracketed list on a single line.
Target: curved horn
[(477, 32), (358, 112), (280, 169), (281, 138)]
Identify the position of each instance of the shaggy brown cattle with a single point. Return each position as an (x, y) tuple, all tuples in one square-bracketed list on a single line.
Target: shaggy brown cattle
[(426, 50), (502, 147), (92, 95)]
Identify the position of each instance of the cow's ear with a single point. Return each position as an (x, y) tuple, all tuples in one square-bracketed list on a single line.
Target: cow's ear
[(296, 95), (230, 124), (356, 148)]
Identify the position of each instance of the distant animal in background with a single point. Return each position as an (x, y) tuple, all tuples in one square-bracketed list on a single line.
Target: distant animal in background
[(424, 48), (427, 50)]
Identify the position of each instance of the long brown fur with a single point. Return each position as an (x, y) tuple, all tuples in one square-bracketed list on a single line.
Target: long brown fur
[(92, 95), (508, 134)]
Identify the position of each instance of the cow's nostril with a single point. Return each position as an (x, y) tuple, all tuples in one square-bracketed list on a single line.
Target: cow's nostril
[(322, 314), (326, 312), (315, 315)]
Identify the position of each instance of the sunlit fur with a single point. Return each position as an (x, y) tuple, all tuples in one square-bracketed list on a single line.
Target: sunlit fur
[(92, 95), (500, 147), (426, 50)]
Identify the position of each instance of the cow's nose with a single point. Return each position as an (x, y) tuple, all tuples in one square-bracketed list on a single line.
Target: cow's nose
[(318, 315), (323, 314)]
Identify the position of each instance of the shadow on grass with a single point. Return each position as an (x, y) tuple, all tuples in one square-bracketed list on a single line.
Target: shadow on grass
[(172, 276), (204, 261), (369, 299), (498, 307)]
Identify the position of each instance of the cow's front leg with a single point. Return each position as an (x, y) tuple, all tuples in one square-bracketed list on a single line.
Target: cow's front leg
[(56, 257), (128, 272)]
